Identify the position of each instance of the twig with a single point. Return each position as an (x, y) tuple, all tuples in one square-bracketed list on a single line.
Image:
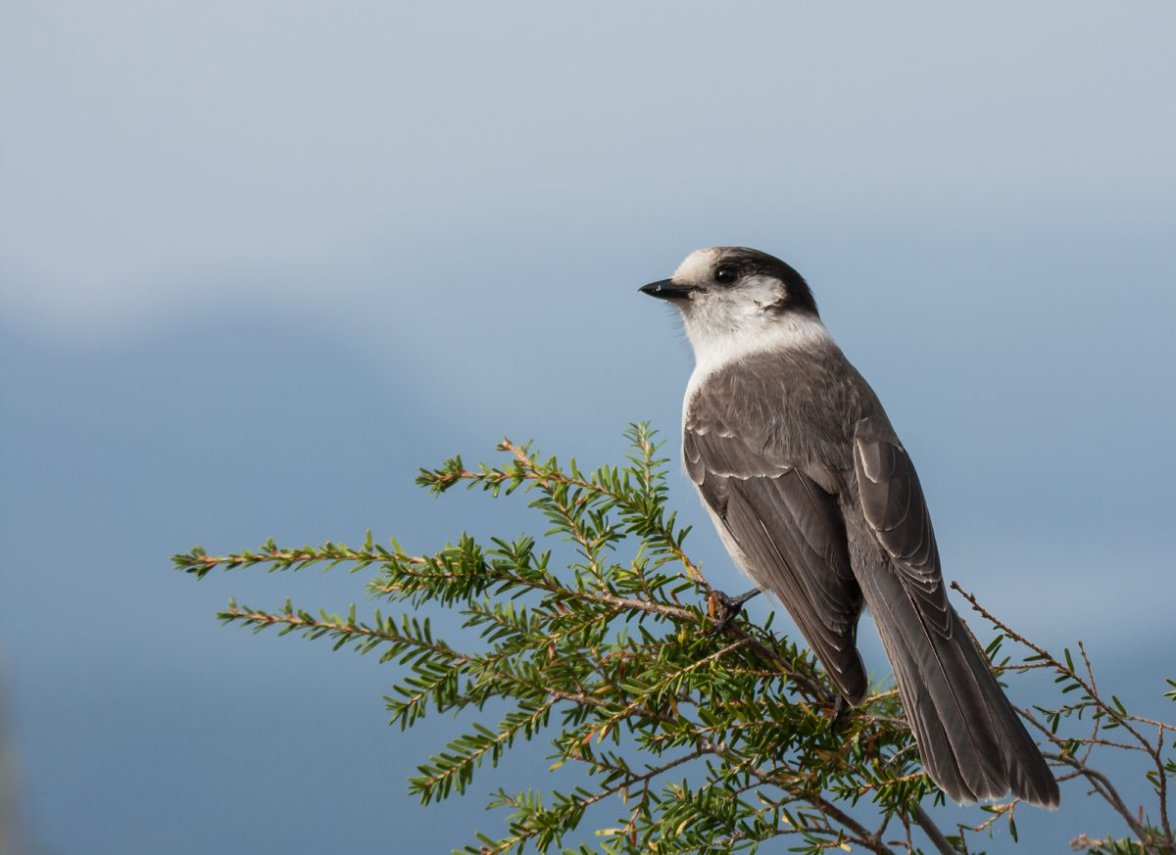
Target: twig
[(1107, 790), (863, 835), (932, 831)]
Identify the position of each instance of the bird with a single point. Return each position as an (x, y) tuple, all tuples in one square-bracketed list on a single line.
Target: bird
[(817, 501)]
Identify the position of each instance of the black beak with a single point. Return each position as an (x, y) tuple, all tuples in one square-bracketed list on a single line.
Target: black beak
[(666, 290)]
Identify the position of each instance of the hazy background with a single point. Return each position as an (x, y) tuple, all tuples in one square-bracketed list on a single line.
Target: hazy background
[(259, 261)]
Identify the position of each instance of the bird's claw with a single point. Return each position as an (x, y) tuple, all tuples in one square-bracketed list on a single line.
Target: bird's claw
[(840, 708), (725, 609)]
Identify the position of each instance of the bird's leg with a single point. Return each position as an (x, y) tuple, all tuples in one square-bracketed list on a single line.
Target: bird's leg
[(840, 707), (724, 609)]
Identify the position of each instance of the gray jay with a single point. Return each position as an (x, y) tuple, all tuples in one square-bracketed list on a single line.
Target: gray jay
[(817, 501)]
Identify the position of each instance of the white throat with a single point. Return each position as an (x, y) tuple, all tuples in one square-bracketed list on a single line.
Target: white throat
[(717, 346)]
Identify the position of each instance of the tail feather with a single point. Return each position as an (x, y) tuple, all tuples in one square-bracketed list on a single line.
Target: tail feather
[(972, 742)]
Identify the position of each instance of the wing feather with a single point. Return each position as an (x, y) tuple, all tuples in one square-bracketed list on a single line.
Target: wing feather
[(896, 512), (789, 537)]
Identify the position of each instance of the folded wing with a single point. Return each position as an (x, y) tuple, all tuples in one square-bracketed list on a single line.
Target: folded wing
[(970, 738), (788, 535)]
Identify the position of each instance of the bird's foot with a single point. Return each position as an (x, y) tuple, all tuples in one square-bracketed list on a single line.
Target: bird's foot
[(725, 609), (840, 708)]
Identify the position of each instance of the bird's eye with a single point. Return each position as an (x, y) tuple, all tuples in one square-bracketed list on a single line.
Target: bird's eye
[(726, 274)]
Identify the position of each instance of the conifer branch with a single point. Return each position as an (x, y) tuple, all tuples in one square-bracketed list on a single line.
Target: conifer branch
[(613, 655)]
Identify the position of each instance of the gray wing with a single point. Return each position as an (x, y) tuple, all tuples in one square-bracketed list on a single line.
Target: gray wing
[(971, 740), (896, 512), (789, 536)]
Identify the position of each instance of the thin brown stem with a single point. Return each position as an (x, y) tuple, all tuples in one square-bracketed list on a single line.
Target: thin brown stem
[(861, 834), (1107, 790), (937, 837)]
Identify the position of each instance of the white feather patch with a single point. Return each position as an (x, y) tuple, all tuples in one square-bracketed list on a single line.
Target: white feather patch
[(697, 266), (716, 348)]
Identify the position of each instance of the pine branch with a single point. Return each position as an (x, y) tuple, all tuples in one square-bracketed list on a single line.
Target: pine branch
[(1106, 715), (612, 655)]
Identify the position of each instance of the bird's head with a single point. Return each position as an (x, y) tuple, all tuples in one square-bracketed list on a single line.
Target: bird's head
[(728, 293)]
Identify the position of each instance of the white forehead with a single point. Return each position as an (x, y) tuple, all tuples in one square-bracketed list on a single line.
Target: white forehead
[(697, 266)]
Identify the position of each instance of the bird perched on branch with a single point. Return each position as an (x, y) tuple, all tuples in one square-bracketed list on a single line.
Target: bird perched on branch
[(818, 502)]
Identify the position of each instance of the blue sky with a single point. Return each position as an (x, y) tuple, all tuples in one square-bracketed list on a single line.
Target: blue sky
[(260, 261)]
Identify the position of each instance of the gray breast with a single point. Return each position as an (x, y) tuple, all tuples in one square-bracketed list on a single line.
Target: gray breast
[(790, 406)]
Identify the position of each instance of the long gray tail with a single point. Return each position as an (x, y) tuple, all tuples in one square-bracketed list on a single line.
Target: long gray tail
[(972, 742)]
